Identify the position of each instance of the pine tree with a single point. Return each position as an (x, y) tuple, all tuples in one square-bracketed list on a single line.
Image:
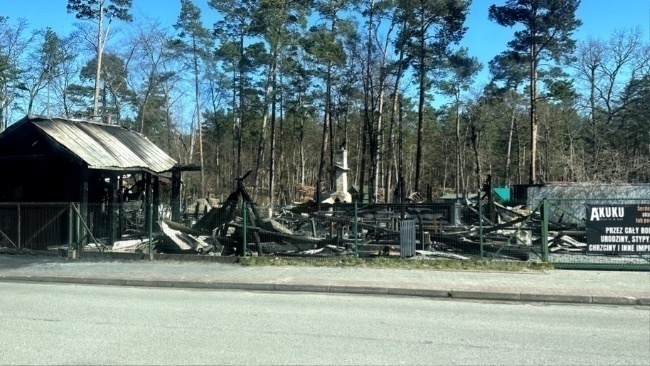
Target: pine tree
[(193, 40), (546, 36), (97, 11)]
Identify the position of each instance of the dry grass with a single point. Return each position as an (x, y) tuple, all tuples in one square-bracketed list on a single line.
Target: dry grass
[(398, 263)]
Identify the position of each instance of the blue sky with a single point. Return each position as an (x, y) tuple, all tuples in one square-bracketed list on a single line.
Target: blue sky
[(484, 38)]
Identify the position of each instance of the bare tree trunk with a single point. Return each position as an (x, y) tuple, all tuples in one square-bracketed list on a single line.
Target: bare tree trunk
[(513, 119), (376, 131), (190, 154), (100, 50), (302, 144), (262, 141), (378, 135), (272, 152), (332, 128), (326, 123), (463, 184), (236, 161), (240, 135), (477, 158), (458, 147), (168, 124), (362, 169), (422, 87), (592, 118), (393, 115), (199, 127), (370, 112), (357, 170), (532, 173), (284, 168)]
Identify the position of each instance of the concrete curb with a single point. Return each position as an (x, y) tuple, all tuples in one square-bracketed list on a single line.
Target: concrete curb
[(338, 289), (644, 301), (485, 295), (574, 299)]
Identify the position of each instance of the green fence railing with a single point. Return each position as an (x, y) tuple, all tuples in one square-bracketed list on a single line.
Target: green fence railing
[(606, 234)]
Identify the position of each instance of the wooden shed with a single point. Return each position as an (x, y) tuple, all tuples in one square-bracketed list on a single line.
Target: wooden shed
[(57, 161)]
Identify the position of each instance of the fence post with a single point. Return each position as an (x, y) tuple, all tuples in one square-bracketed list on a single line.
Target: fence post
[(356, 250), (83, 215), (19, 233), (244, 236), (77, 227), (544, 233), (70, 226), (480, 222), (149, 215)]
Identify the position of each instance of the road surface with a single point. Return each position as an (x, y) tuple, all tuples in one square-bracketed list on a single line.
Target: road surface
[(80, 325)]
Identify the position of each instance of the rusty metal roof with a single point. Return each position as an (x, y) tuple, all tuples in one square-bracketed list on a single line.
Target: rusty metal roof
[(104, 146)]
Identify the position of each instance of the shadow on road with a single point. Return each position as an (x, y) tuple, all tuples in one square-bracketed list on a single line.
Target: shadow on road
[(14, 261)]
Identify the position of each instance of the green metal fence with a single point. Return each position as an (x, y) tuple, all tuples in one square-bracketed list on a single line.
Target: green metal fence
[(551, 231), (34, 225), (569, 233), (442, 229), (43, 226)]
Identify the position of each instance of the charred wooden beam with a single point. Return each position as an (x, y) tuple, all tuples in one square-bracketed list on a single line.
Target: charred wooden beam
[(182, 228), (113, 212), (216, 217), (309, 242), (273, 247), (156, 197)]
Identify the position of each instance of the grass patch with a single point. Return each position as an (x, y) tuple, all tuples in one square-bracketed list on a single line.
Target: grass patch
[(397, 263)]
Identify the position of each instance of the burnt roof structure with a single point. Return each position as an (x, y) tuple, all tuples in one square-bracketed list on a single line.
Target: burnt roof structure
[(48, 159), (98, 146), (86, 169)]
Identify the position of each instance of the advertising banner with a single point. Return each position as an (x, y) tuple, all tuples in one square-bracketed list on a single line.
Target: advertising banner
[(618, 228)]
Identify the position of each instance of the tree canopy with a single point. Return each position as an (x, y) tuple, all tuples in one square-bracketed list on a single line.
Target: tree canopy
[(279, 86)]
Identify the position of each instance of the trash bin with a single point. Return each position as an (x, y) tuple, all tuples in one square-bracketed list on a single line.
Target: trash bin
[(407, 238)]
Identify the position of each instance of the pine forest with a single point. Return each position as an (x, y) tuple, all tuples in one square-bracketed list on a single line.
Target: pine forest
[(277, 87)]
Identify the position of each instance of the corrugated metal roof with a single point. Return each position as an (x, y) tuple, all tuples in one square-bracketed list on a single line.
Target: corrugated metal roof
[(104, 146)]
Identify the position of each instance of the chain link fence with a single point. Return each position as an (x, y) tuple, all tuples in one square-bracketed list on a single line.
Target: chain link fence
[(34, 226), (443, 229), (53, 226)]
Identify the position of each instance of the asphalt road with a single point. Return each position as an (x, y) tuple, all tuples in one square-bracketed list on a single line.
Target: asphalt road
[(73, 324)]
